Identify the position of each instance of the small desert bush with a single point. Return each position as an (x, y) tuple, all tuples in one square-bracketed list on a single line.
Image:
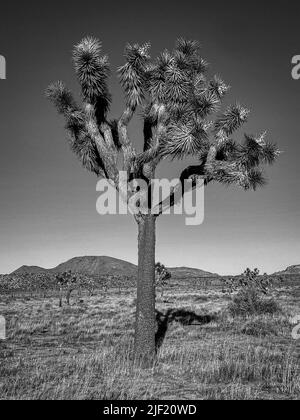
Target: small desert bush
[(250, 302), (250, 299), (258, 328)]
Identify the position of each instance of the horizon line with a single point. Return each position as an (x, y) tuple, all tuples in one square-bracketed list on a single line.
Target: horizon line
[(135, 264)]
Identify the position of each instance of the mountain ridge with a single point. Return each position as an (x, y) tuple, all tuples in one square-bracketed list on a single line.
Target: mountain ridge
[(103, 265), (292, 269)]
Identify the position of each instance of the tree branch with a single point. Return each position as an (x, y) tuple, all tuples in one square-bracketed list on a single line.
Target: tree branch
[(109, 140), (107, 154), (126, 144), (147, 161), (179, 191)]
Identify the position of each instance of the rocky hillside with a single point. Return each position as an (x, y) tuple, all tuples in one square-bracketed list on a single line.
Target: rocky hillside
[(98, 266), (185, 272), (87, 265), (25, 269), (292, 270)]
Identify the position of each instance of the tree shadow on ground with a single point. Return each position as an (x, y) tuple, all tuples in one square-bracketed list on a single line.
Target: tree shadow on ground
[(181, 316)]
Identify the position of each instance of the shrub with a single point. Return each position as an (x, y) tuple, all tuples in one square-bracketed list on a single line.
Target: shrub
[(162, 275), (250, 299), (249, 302), (270, 306), (258, 328)]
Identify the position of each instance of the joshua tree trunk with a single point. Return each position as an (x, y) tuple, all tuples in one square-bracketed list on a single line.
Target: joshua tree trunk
[(68, 296), (145, 315), (60, 297)]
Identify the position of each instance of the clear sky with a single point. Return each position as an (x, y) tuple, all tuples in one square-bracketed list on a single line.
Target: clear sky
[(48, 202)]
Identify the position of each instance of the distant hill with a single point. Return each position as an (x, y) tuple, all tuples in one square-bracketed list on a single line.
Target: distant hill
[(185, 272), (98, 266), (25, 269), (106, 266), (292, 270), (87, 265)]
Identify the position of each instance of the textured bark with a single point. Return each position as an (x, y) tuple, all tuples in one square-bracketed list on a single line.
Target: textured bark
[(60, 297), (145, 315), (68, 296)]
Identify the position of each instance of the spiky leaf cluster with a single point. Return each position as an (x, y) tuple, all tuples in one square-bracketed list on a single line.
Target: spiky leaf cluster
[(240, 164), (133, 73), (92, 71), (185, 139), (80, 143), (62, 98), (181, 107)]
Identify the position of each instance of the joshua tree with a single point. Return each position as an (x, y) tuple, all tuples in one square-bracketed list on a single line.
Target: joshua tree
[(252, 288), (250, 280), (180, 109), (162, 275), (85, 282), (68, 282)]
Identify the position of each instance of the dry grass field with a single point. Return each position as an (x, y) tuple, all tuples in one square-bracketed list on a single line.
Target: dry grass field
[(85, 351)]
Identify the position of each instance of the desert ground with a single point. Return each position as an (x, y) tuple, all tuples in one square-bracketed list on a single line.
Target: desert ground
[(85, 350)]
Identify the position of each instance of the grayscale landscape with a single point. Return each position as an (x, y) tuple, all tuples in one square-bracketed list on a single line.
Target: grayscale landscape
[(84, 350), (149, 203)]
